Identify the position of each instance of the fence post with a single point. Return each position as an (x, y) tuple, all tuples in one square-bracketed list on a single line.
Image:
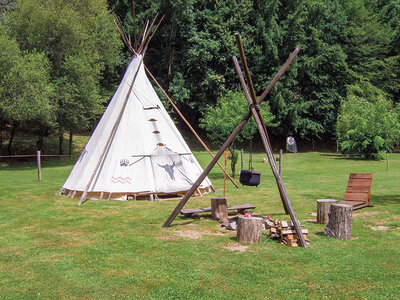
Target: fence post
[(38, 166), (280, 162)]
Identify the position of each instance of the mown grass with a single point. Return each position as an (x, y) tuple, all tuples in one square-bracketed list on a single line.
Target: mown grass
[(50, 248)]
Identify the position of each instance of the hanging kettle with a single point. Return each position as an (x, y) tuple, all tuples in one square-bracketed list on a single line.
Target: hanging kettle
[(249, 177)]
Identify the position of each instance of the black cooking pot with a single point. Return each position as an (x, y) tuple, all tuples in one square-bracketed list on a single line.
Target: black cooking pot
[(249, 177)]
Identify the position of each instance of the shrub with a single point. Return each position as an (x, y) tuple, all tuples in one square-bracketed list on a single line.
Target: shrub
[(367, 126)]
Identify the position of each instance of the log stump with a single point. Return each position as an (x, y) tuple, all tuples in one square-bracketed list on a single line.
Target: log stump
[(339, 224), (249, 230), (219, 209), (323, 209)]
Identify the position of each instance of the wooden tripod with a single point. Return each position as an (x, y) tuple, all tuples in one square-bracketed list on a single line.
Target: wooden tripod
[(255, 112)]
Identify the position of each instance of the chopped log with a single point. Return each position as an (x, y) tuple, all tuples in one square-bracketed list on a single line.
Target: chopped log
[(249, 230), (339, 224), (219, 209), (323, 209)]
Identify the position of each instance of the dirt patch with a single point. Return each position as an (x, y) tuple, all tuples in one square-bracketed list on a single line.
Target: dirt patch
[(166, 238), (236, 247), (195, 234), (191, 234), (379, 228), (314, 214)]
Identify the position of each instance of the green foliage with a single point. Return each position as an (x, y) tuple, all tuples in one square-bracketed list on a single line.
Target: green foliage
[(368, 123), (78, 99), (70, 51), (27, 91), (219, 121), (25, 86)]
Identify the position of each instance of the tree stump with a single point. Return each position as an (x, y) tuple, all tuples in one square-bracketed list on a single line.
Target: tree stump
[(219, 209), (249, 230), (339, 224), (323, 209)]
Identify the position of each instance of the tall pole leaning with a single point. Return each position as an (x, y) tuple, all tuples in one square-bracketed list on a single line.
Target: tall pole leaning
[(255, 110), (236, 131)]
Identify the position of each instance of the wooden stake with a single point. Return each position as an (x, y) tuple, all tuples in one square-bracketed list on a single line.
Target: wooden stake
[(226, 161), (280, 162), (134, 25), (39, 166)]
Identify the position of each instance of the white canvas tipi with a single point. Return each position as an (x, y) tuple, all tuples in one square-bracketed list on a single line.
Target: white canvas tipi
[(135, 150)]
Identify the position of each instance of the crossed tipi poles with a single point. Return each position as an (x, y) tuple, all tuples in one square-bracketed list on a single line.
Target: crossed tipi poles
[(254, 110)]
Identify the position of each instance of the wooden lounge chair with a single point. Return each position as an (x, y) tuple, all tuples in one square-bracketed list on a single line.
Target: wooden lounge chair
[(358, 191)]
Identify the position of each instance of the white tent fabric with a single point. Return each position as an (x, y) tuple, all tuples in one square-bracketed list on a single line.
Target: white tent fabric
[(146, 154)]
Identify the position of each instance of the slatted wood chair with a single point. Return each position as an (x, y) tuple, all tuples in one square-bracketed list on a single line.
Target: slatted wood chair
[(358, 191)]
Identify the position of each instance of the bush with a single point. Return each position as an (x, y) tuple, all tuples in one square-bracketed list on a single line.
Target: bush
[(367, 126), (221, 120)]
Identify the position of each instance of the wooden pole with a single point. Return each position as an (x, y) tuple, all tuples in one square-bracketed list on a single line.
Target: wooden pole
[(252, 99), (280, 162), (241, 159), (264, 130), (39, 166), (154, 31), (226, 161), (233, 135), (113, 130), (134, 25), (190, 126)]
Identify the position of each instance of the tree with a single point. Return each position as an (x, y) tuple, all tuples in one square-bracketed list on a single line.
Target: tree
[(26, 95), (219, 121), (25, 89), (368, 123), (306, 100), (81, 44)]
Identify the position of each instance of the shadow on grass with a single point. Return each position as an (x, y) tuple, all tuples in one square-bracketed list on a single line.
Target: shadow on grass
[(30, 163), (386, 199), (220, 176), (356, 157)]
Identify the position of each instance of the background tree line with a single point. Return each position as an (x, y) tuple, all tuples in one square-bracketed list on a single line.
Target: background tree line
[(63, 59)]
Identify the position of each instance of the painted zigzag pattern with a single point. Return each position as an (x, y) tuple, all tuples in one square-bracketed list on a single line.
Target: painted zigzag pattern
[(121, 180)]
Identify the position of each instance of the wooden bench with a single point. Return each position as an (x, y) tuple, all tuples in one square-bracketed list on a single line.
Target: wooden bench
[(358, 191), (239, 208)]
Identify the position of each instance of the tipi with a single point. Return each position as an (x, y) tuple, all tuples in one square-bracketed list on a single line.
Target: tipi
[(135, 150)]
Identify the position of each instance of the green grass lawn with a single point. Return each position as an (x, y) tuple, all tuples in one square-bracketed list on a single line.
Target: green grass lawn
[(50, 248)]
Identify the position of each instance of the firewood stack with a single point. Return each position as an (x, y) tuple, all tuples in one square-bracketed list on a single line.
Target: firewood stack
[(285, 232)]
